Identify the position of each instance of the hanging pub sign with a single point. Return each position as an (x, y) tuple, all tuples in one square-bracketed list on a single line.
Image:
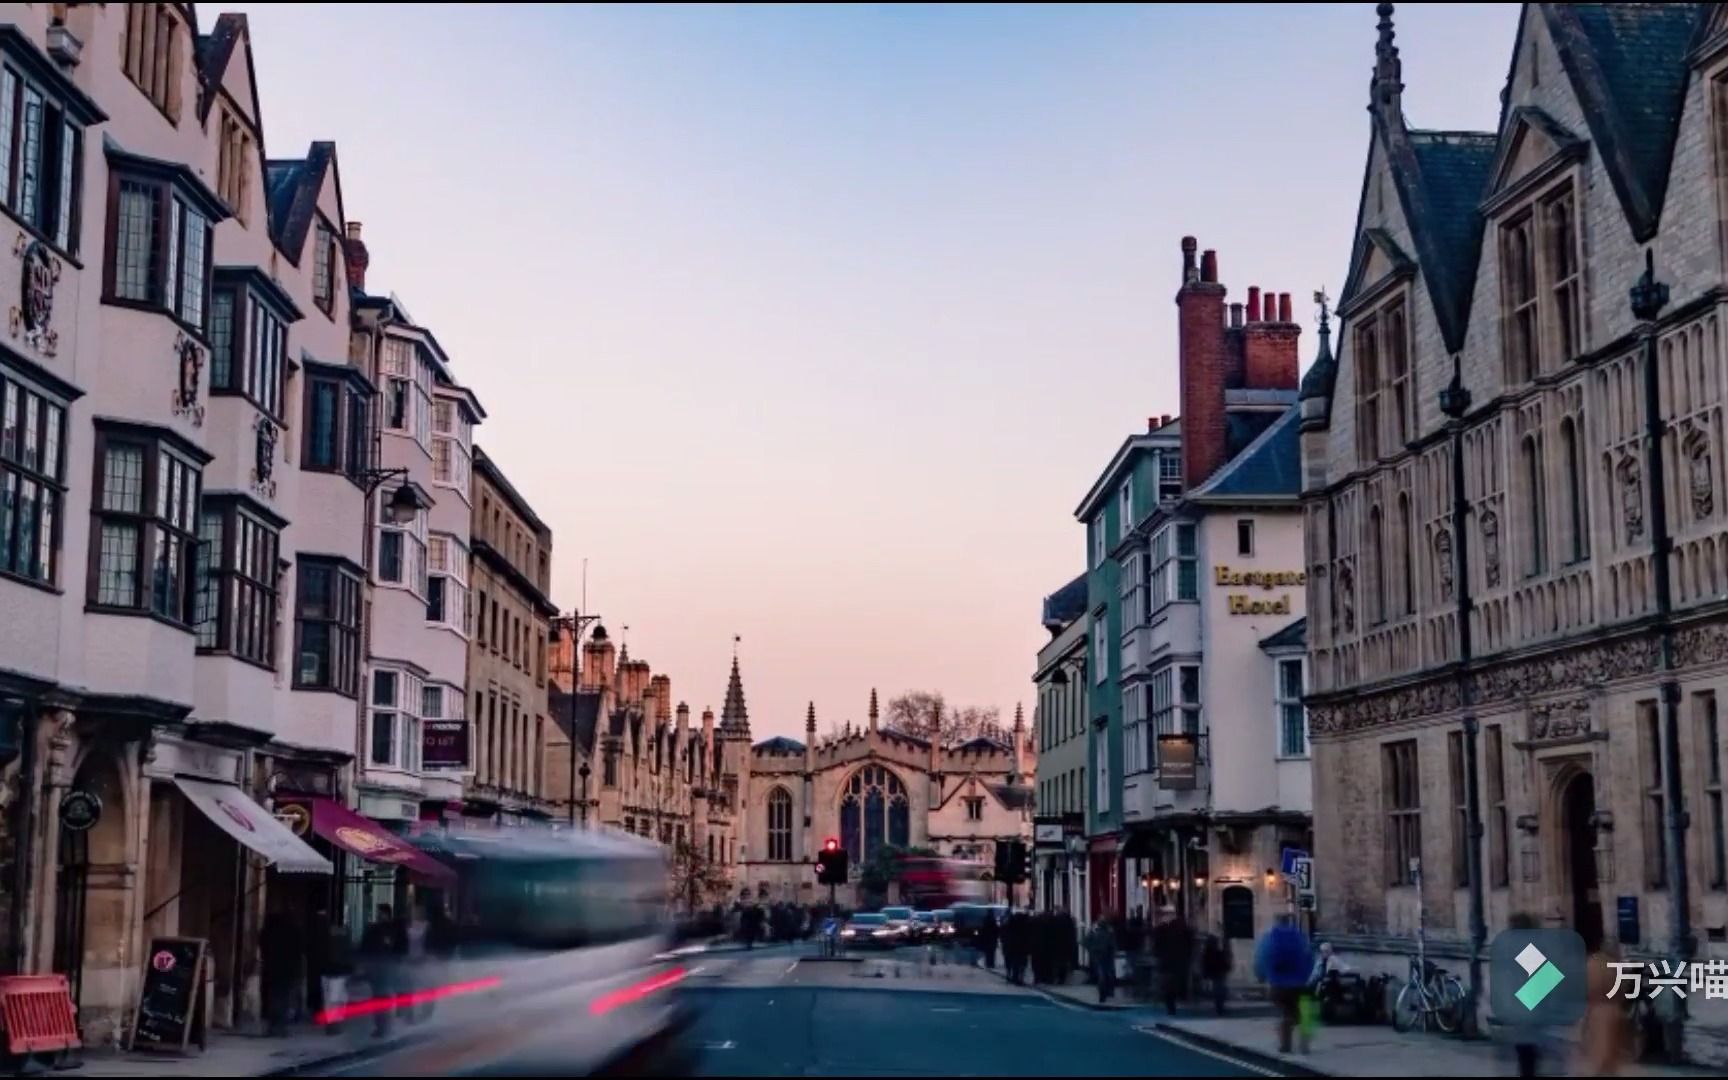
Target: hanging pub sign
[(1178, 762), (445, 746), (80, 810)]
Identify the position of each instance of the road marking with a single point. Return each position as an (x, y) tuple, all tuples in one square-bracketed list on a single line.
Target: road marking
[(1190, 1044), (789, 968), (726, 1045), (698, 969), (945, 1008)]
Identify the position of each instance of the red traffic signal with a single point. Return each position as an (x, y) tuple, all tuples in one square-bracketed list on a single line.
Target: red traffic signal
[(831, 844)]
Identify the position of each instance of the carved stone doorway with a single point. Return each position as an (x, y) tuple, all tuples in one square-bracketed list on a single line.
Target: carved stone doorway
[(1578, 857)]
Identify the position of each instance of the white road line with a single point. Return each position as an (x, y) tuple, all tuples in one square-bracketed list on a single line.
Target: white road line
[(945, 1008), (789, 968), (1189, 1044)]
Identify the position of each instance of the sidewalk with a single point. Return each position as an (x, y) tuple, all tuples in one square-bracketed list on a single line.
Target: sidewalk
[(1347, 1050), (234, 1054)]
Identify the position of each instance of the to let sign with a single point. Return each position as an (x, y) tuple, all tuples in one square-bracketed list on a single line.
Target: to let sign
[(444, 746), (1178, 762)]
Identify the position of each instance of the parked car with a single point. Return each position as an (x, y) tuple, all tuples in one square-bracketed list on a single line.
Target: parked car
[(869, 932), (926, 930), (945, 929)]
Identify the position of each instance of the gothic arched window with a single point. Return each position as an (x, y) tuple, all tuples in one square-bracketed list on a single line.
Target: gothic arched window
[(780, 825), (874, 811), (1577, 504), (1531, 452), (1406, 547), (1377, 546)]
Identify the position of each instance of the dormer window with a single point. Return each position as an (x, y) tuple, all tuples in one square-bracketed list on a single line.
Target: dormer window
[(1541, 287), (323, 266), (233, 169)]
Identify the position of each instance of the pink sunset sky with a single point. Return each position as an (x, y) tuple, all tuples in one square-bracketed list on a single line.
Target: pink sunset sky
[(814, 325)]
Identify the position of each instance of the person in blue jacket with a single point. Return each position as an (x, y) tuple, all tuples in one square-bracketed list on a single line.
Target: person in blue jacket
[(1283, 961)]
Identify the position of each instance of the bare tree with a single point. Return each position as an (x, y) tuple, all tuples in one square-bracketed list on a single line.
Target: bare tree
[(922, 712)]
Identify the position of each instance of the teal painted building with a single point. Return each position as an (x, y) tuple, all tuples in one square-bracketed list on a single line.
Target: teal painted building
[(1146, 470)]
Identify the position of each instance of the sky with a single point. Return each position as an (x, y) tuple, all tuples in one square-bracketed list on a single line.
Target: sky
[(814, 325)]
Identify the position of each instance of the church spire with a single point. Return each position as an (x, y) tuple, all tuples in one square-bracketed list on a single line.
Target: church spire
[(873, 711), (1387, 89), (810, 720), (734, 716)]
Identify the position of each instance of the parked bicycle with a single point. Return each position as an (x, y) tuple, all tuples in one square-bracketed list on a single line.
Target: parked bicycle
[(1430, 997)]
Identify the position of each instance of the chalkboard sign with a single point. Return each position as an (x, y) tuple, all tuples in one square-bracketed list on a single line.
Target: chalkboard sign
[(171, 1001)]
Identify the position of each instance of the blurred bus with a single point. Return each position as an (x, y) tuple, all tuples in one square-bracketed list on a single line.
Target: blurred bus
[(930, 883), (560, 965)]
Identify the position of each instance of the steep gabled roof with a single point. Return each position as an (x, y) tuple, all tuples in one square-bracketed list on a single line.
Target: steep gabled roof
[(291, 189), (1627, 64), (1441, 177)]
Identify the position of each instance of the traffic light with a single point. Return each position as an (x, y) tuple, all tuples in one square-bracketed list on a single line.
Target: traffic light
[(1011, 862), (831, 863)]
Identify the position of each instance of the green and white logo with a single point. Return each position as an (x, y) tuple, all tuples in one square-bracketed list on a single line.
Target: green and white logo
[(1537, 977), (1544, 977)]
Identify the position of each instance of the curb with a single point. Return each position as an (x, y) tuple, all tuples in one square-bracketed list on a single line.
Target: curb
[(1278, 1063), (321, 1065), (1062, 999)]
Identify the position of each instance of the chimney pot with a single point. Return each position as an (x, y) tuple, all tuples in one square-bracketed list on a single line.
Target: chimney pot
[(1151, 423), (1209, 266), (353, 230), (1164, 421), (1189, 244), (1253, 303), (1284, 307), (1236, 316)]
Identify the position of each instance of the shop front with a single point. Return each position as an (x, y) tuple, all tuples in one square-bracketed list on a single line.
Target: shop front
[(1106, 897), (383, 867)]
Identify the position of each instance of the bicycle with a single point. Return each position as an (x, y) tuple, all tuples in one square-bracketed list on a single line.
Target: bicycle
[(1430, 995)]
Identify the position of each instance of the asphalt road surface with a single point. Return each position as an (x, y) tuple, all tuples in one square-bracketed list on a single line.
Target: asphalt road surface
[(769, 1013)]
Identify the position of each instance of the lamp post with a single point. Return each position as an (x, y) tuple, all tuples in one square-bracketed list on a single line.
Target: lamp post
[(585, 772)]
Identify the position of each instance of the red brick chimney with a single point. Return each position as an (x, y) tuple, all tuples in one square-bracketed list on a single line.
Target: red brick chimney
[(1269, 344), (357, 256), (1205, 365)]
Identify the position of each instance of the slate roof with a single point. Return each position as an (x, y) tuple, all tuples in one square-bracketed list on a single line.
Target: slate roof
[(780, 744), (1242, 428), (1294, 636), (1013, 796), (1627, 63), (1324, 371), (586, 709), (292, 193), (1269, 466), (1441, 177), (1066, 604), (980, 742)]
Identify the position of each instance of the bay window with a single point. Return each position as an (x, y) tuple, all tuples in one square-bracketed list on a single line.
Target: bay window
[(235, 606), (407, 384), (451, 442), (248, 343), (32, 478), (1292, 717), (42, 148), (447, 583), (338, 425), (402, 550), (327, 626), (393, 738), (144, 513), (159, 226), (1175, 565)]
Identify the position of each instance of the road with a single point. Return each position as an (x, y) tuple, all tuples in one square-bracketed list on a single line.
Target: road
[(769, 1013)]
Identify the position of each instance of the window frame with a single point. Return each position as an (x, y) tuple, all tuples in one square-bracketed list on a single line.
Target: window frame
[(158, 61), (233, 162), (447, 562), (325, 272), (254, 334), (234, 581), (22, 400), (177, 198), (156, 526), (1499, 817), (779, 825), (1283, 703), (352, 431), (1543, 318), (402, 714), (56, 213), (342, 608), (411, 573), (1402, 783)]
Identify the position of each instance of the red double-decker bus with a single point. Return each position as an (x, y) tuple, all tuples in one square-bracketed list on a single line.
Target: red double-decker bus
[(930, 883)]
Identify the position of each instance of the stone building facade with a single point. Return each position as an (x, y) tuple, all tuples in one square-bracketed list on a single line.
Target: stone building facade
[(1515, 529), (874, 786), (507, 689)]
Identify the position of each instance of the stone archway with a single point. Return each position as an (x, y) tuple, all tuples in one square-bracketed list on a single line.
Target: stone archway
[(1575, 876)]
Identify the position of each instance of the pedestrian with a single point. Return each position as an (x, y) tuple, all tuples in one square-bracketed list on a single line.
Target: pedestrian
[(338, 967), (988, 934), (1173, 947), (1043, 946), (1284, 961), (381, 951), (282, 948), (1019, 938), (1603, 1036), (1215, 967), (1101, 955)]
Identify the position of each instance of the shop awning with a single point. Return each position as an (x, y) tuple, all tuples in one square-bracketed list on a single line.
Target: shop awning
[(250, 824), (364, 837)]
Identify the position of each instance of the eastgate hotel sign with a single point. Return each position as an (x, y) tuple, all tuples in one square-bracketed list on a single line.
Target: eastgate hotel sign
[(1268, 580)]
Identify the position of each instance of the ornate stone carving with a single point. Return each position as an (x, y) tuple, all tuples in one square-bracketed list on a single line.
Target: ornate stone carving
[(1698, 474), (1491, 548), (1630, 475), (1562, 719), (1347, 598), (189, 357), (30, 320), (1443, 566), (264, 457), (1698, 645)]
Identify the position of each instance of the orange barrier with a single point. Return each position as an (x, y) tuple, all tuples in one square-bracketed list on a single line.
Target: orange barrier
[(37, 1014)]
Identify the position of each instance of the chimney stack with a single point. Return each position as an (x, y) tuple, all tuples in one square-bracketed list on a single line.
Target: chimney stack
[(1269, 359), (358, 258), (1189, 273), (1204, 368), (1235, 316)]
